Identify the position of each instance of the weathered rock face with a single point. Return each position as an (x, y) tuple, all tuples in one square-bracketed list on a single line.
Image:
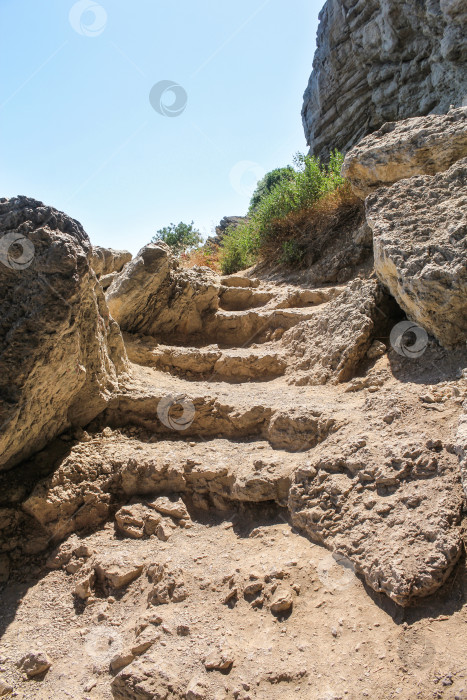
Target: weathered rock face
[(366, 501), (418, 146), (461, 447), (420, 232), (60, 350), (104, 261), (330, 346), (153, 295), (379, 61)]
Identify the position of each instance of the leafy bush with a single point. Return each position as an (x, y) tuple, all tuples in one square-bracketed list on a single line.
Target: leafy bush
[(292, 253), (267, 184), (180, 237), (309, 182), (239, 248), (302, 237)]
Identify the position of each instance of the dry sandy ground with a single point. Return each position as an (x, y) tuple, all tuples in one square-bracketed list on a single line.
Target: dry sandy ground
[(340, 640)]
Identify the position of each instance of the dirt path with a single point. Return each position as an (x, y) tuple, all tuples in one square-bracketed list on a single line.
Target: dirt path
[(229, 589)]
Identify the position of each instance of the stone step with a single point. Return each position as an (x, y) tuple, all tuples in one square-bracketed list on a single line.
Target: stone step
[(131, 463), (239, 281), (242, 298), (241, 328), (169, 405), (234, 365), (275, 297)]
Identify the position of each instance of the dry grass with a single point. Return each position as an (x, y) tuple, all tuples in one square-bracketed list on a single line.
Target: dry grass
[(312, 230), (202, 257)]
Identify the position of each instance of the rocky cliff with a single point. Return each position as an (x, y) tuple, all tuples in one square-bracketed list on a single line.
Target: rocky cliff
[(382, 60)]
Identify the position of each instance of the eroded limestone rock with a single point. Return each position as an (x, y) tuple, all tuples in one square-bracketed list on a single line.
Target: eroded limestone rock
[(61, 352), (418, 146), (330, 347), (393, 510), (380, 61), (34, 663), (153, 295), (105, 261), (147, 677), (420, 233)]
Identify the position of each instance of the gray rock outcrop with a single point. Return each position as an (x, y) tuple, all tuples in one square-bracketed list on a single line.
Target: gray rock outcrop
[(104, 261), (379, 61), (420, 232), (60, 350), (417, 146), (153, 295)]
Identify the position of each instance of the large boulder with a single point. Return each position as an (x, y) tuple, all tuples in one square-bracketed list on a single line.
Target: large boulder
[(420, 237), (104, 261), (418, 146), (330, 346), (388, 507), (60, 350), (380, 61), (153, 295)]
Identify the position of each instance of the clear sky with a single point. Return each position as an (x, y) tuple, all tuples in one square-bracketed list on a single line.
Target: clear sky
[(78, 130)]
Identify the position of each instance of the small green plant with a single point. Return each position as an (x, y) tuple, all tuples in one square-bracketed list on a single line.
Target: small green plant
[(296, 190), (180, 237)]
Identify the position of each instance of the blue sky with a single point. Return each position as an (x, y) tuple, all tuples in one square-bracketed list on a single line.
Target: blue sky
[(78, 131)]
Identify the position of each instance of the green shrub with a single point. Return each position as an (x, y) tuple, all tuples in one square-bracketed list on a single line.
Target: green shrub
[(292, 253), (267, 184), (180, 237), (239, 248), (309, 181)]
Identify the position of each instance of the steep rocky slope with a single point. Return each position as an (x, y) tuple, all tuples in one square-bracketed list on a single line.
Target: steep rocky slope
[(267, 498), (192, 513), (380, 61)]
